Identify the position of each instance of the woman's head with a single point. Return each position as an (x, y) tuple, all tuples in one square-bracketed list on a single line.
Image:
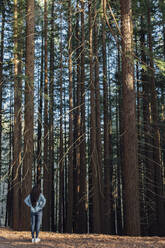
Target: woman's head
[(34, 195)]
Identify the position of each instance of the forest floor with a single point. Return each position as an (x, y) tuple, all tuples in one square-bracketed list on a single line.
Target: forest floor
[(12, 239)]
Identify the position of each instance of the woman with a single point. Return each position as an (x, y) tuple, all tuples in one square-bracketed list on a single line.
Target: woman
[(36, 201)]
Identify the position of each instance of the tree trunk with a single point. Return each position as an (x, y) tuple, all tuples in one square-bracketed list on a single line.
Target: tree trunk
[(17, 160), (70, 154), (148, 186), (47, 171), (9, 203), (65, 162), (107, 155), (61, 159), (40, 106), (156, 136), (98, 115), (1, 77), (94, 162), (120, 149), (77, 218), (51, 116), (130, 168), (29, 113), (83, 184)]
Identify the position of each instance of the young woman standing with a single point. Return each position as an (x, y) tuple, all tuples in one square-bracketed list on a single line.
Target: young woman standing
[(36, 201)]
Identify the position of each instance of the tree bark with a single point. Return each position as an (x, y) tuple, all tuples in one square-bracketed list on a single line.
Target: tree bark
[(51, 117), (77, 137), (1, 78), (130, 168), (107, 155), (17, 146), (156, 135), (148, 186), (98, 114), (61, 159), (83, 184), (94, 162), (70, 154), (40, 107), (47, 169), (9, 211), (29, 113), (120, 149)]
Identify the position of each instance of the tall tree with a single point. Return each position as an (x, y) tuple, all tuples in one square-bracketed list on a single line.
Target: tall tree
[(70, 155), (1, 75), (83, 172), (156, 133), (61, 159), (40, 107), (94, 162), (98, 111), (107, 186), (17, 146), (51, 116), (130, 169), (47, 174), (9, 209), (148, 187), (120, 146), (29, 112), (77, 97)]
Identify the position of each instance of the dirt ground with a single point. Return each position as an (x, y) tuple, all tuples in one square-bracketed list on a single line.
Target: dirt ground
[(12, 239)]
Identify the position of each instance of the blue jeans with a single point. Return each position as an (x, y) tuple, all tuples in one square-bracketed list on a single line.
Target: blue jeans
[(36, 223)]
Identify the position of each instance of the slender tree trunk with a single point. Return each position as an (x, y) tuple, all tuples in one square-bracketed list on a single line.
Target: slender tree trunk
[(17, 160), (120, 149), (75, 166), (148, 186), (161, 3), (65, 162), (94, 161), (1, 77), (140, 150), (40, 107), (77, 219), (70, 162), (51, 116), (130, 169), (83, 184), (47, 172), (61, 159), (29, 113), (156, 136), (107, 162), (9, 210), (98, 115)]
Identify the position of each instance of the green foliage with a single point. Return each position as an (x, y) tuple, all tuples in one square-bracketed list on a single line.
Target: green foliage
[(161, 65)]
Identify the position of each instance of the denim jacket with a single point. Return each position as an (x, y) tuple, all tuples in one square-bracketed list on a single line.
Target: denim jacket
[(39, 204)]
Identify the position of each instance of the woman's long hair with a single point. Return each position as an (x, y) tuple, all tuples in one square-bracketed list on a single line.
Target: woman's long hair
[(34, 195)]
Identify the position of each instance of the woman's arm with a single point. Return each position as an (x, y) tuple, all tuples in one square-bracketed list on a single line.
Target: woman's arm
[(28, 201), (42, 202)]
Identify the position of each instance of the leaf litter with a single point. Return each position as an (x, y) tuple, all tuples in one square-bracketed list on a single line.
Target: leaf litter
[(22, 239)]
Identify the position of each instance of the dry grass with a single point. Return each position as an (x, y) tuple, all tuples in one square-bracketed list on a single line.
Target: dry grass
[(12, 239)]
